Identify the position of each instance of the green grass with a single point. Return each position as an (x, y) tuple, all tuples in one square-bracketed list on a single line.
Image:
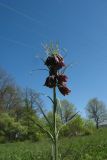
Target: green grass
[(93, 147)]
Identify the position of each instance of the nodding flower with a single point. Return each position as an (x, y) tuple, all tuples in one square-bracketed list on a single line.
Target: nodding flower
[(55, 61), (56, 79), (50, 81), (63, 89), (61, 78)]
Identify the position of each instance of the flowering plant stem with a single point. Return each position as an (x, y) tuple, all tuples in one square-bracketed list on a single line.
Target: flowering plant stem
[(55, 148), (55, 79)]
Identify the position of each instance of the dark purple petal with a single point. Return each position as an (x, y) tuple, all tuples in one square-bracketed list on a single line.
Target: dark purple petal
[(55, 61), (60, 58), (63, 89), (61, 78), (49, 61), (50, 81)]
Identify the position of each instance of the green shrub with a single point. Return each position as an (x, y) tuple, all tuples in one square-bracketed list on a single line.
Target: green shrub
[(2, 139), (87, 132)]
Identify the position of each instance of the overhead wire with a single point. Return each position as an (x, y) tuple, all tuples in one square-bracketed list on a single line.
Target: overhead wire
[(19, 12), (25, 16), (17, 42)]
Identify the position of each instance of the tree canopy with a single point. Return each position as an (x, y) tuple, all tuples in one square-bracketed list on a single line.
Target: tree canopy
[(96, 110)]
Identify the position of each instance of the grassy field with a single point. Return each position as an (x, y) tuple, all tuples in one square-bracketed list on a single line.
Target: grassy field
[(93, 147)]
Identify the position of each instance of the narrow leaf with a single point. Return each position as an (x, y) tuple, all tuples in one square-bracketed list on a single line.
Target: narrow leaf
[(44, 115), (43, 129), (66, 123)]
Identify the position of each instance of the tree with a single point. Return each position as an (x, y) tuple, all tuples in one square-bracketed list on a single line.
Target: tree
[(66, 110), (96, 110), (31, 106), (28, 118), (30, 98), (5, 82), (89, 126), (74, 127), (50, 118), (9, 92), (9, 128)]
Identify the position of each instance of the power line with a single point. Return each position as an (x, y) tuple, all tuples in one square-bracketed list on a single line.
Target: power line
[(32, 31), (24, 15), (20, 13), (17, 42)]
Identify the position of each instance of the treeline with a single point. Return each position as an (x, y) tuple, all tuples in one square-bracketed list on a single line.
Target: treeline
[(21, 118), (18, 111)]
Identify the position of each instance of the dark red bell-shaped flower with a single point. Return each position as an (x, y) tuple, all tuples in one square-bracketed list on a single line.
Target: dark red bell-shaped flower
[(61, 78), (63, 89), (50, 81), (50, 61), (61, 61), (60, 65), (55, 61)]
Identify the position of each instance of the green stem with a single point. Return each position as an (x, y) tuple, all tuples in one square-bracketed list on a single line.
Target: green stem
[(55, 128)]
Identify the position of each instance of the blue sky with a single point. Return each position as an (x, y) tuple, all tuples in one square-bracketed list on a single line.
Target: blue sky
[(80, 26)]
